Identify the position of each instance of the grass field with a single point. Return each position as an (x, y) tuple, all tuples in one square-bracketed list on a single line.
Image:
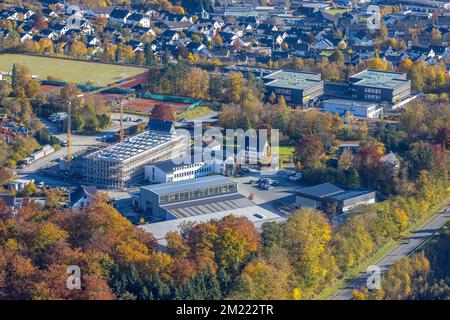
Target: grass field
[(194, 112), (69, 70), (336, 11), (285, 153)]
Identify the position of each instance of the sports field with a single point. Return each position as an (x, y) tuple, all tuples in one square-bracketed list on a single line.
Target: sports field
[(147, 105), (70, 70)]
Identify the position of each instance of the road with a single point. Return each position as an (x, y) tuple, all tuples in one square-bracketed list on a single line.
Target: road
[(416, 239), (80, 143)]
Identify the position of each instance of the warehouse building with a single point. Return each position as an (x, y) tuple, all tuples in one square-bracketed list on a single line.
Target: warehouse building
[(122, 165), (175, 200), (353, 107), (380, 86), (344, 199), (297, 88)]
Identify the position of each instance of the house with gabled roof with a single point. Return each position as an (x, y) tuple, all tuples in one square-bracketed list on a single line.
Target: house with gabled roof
[(119, 15), (139, 19)]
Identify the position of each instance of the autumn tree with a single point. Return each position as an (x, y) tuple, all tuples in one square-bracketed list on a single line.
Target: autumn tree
[(236, 85), (307, 233), (309, 151), (162, 111), (40, 22), (197, 83), (262, 281), (377, 64), (436, 36), (78, 49)]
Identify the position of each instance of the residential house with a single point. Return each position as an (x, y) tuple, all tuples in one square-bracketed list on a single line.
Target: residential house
[(82, 196), (119, 15), (139, 19)]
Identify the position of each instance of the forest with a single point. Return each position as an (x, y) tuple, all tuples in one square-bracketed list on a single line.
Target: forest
[(225, 258)]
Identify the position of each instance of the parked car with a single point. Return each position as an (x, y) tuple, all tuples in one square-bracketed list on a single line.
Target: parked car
[(245, 170), (266, 186), (269, 181), (296, 176)]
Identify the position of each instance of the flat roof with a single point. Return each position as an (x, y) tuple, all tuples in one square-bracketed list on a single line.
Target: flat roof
[(197, 158), (380, 79), (293, 79), (160, 229), (133, 146), (206, 206), (190, 184), (351, 103), (322, 190), (332, 191), (348, 194), (244, 68)]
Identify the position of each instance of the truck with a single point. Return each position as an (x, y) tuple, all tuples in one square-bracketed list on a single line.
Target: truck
[(45, 151)]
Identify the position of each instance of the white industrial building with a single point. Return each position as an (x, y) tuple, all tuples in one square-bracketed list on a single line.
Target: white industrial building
[(355, 108), (188, 168)]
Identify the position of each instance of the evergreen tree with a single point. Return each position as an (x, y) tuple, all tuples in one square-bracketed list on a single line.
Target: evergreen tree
[(353, 180), (150, 56), (14, 78)]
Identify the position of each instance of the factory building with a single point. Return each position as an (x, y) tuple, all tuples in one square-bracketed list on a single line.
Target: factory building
[(297, 88), (122, 165), (175, 200)]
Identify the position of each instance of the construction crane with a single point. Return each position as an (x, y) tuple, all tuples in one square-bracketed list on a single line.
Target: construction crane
[(120, 102), (69, 116)]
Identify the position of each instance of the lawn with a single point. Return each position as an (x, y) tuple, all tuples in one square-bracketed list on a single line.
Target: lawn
[(194, 112), (336, 11), (69, 70), (285, 153)]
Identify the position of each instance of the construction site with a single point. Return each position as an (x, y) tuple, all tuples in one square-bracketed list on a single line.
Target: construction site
[(122, 165)]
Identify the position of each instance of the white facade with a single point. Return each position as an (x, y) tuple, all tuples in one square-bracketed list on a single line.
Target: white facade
[(356, 108), (170, 171)]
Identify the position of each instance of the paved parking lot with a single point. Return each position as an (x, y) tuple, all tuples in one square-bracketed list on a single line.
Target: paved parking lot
[(283, 194)]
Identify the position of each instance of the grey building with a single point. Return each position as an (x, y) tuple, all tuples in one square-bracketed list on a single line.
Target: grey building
[(327, 194), (175, 200), (122, 165), (297, 88), (380, 86)]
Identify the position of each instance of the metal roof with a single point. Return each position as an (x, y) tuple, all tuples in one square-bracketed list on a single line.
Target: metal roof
[(293, 79), (207, 206), (332, 191), (380, 79), (133, 146), (322, 190), (252, 213), (190, 184), (351, 103)]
